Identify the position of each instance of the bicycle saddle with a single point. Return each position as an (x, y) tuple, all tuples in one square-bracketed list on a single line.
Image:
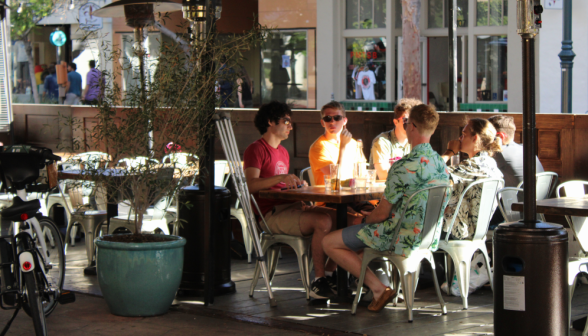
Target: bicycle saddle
[(20, 207)]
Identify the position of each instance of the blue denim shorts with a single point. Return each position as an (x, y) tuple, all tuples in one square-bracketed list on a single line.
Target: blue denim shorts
[(350, 237)]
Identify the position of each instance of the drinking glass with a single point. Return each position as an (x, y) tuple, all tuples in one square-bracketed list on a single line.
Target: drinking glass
[(360, 183), (371, 177), (336, 185), (328, 186)]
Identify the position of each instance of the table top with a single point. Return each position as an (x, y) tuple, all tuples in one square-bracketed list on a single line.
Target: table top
[(571, 206), (78, 174), (318, 194)]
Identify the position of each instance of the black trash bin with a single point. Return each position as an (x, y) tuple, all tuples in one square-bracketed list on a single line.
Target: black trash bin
[(196, 231), (530, 279)]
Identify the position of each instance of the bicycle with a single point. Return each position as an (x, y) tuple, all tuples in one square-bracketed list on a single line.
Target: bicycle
[(32, 259)]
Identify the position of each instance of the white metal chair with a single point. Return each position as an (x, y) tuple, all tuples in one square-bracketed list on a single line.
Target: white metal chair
[(92, 221), (505, 198), (181, 160), (578, 244), (307, 170), (462, 251), (273, 243), (156, 219), (408, 267), (545, 184), (136, 161)]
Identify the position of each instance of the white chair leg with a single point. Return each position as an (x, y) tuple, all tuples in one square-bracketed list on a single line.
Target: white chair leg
[(408, 280), (74, 232), (367, 258), (238, 214), (462, 271), (437, 288), (264, 247)]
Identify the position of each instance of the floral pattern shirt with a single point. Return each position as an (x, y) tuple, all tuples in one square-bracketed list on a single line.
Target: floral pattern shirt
[(468, 171), (421, 168)]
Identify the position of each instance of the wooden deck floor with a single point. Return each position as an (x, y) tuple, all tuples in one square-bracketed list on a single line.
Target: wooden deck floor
[(294, 308)]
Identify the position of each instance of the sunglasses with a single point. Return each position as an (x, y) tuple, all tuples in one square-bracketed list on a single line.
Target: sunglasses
[(330, 118)]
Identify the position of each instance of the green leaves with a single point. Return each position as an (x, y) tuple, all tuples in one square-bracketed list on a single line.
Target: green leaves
[(32, 12)]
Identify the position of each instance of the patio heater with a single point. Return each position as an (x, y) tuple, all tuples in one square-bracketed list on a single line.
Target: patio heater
[(138, 14), (530, 257)]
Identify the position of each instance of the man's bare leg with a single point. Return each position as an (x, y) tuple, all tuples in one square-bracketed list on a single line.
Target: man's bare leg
[(317, 224), (336, 249)]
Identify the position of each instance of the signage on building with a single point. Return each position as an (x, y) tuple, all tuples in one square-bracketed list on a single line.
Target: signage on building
[(57, 38), (87, 19)]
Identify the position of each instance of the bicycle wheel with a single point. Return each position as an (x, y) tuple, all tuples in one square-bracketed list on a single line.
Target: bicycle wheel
[(55, 273), (33, 301)]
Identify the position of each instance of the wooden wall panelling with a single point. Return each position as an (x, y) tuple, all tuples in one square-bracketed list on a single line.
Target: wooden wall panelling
[(580, 147)]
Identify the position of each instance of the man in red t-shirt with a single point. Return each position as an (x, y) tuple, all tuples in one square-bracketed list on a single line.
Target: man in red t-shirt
[(266, 164)]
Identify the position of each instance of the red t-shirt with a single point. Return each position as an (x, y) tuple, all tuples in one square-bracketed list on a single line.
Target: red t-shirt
[(271, 162)]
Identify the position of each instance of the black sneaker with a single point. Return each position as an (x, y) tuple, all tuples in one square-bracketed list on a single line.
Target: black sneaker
[(320, 289), (333, 281)]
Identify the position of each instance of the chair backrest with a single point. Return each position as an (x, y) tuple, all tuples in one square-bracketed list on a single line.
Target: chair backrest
[(308, 170), (181, 160), (545, 183), (505, 198), (137, 161), (572, 189), (578, 224), (436, 197), (489, 188)]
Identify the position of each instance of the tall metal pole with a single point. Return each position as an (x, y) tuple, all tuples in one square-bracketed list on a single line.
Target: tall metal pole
[(530, 197), (452, 37), (567, 58)]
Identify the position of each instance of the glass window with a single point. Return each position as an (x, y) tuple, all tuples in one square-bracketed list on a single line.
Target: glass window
[(365, 14), (366, 68), (491, 68), (284, 68), (439, 16), (130, 61), (491, 12)]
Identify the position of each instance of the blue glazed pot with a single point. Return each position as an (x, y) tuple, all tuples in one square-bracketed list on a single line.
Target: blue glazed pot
[(139, 279)]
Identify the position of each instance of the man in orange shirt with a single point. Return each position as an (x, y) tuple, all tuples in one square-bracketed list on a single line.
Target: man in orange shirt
[(325, 150)]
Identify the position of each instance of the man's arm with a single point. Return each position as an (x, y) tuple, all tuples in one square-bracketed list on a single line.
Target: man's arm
[(382, 170), (67, 86), (256, 183), (381, 213), (453, 147)]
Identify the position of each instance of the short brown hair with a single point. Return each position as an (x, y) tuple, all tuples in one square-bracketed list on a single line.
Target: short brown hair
[(487, 139), (333, 105), (426, 119), (404, 105), (504, 124)]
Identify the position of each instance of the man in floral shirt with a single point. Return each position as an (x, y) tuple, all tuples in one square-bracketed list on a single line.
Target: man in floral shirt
[(421, 168)]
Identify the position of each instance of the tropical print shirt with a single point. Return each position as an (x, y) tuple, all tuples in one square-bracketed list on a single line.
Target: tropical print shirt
[(468, 171), (421, 168)]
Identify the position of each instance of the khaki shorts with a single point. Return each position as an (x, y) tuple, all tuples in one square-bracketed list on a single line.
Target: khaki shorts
[(285, 219)]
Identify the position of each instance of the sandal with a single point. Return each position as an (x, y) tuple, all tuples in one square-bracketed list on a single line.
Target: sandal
[(377, 305)]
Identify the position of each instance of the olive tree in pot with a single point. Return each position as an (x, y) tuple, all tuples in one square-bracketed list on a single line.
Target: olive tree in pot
[(139, 273)]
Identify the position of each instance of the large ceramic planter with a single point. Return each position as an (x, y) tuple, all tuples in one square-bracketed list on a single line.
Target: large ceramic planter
[(139, 279)]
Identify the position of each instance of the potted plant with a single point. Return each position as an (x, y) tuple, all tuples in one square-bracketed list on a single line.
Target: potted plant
[(172, 103)]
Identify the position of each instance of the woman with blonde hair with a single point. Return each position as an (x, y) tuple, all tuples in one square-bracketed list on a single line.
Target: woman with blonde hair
[(479, 142)]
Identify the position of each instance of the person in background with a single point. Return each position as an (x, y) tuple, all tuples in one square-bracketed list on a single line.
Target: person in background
[(93, 90), (391, 145), (419, 169), (38, 73), (225, 82), (51, 88), (244, 90), (510, 160), (73, 88), (479, 141)]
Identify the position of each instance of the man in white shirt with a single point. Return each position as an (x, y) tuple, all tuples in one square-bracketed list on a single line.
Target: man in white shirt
[(388, 146)]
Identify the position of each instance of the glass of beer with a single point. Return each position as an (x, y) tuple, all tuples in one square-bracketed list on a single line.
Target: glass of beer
[(335, 183)]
